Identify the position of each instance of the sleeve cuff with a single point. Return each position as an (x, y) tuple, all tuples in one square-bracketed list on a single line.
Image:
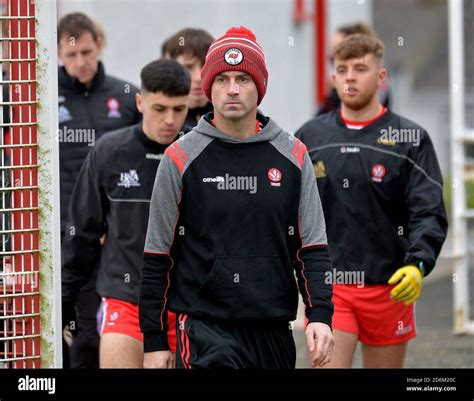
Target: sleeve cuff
[(421, 264), (156, 341), (320, 314)]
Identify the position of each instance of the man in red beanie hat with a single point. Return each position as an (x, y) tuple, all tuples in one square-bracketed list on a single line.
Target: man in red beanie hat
[(235, 213)]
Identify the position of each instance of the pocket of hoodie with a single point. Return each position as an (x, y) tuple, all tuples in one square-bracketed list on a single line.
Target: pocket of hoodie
[(248, 287)]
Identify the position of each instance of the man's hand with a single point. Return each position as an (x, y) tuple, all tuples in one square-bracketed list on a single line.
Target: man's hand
[(409, 288), (320, 343), (159, 360), (69, 322)]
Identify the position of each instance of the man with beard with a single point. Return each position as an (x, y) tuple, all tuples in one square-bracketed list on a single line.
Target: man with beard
[(381, 189), (332, 102)]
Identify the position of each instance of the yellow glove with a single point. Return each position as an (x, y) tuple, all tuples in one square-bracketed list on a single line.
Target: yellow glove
[(409, 288)]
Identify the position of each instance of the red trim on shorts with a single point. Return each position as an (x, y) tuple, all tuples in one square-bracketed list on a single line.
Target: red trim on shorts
[(184, 341)]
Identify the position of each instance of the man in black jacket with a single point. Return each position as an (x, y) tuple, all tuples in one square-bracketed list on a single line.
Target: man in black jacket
[(90, 104), (382, 195), (112, 196), (235, 212)]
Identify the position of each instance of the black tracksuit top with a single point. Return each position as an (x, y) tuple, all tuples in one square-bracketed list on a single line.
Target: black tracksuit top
[(382, 195), (112, 196), (108, 105)]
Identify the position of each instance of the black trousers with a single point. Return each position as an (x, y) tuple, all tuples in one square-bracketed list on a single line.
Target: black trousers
[(212, 344), (84, 353)]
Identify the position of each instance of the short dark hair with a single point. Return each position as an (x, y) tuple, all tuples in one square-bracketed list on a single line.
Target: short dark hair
[(165, 76), (76, 24), (189, 41)]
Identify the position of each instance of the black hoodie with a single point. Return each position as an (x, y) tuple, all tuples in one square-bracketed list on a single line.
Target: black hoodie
[(231, 222)]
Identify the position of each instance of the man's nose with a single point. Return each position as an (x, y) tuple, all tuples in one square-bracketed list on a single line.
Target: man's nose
[(80, 60), (196, 74), (169, 118), (234, 88), (350, 75)]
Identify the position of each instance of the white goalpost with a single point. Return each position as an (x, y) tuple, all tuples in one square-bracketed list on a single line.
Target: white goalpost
[(30, 295), (461, 136)]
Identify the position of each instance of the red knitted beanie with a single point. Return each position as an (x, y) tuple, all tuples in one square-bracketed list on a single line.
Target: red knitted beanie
[(237, 50)]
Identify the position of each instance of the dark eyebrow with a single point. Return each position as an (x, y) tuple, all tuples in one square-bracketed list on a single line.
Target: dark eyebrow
[(223, 74)]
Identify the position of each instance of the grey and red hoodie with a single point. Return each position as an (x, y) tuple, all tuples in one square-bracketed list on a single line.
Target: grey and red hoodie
[(231, 222)]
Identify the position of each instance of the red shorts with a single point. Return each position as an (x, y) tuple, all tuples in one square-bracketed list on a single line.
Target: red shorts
[(116, 316), (370, 313)]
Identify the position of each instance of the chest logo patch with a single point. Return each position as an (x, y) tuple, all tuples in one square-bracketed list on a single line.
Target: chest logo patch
[(275, 176), (320, 169), (378, 172), (129, 179), (113, 105), (63, 114)]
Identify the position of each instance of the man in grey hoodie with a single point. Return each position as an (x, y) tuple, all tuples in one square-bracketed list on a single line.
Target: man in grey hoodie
[(235, 213)]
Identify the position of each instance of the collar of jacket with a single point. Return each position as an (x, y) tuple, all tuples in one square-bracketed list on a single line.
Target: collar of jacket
[(200, 111), (148, 143), (379, 122), (269, 131), (67, 81)]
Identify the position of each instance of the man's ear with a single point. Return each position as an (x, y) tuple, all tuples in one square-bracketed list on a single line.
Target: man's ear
[(100, 45), (382, 76), (139, 102)]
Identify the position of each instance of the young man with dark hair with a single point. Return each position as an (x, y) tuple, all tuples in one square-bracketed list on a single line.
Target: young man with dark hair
[(189, 47), (382, 195), (234, 213), (90, 104), (112, 196)]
